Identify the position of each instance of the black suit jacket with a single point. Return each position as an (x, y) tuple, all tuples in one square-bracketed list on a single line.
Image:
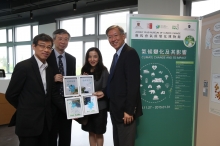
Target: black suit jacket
[(125, 85), (26, 93), (70, 69)]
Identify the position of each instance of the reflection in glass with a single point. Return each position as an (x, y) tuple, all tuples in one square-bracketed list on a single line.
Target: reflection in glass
[(22, 52), (23, 33), (89, 45), (107, 52), (116, 19), (35, 30), (73, 26), (90, 26), (10, 55), (76, 49), (3, 58), (9, 35), (3, 36)]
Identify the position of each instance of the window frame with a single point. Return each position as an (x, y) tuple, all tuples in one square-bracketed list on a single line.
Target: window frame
[(13, 44)]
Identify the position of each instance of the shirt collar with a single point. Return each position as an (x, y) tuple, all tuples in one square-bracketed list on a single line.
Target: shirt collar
[(119, 50), (57, 54), (41, 65)]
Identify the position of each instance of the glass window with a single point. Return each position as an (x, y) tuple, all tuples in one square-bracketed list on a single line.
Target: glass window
[(107, 53), (76, 49), (73, 26), (10, 55), (202, 8), (23, 52), (35, 30), (23, 33), (116, 19), (3, 58), (3, 36), (89, 45), (90, 26), (9, 35)]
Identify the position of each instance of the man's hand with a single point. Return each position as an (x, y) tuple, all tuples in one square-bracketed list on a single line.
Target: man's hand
[(58, 78), (127, 118), (99, 94)]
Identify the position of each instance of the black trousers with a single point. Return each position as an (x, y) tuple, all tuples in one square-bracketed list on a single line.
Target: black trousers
[(123, 134), (61, 130), (40, 140)]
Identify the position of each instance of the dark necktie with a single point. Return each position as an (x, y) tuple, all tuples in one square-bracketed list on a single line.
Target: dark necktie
[(114, 62), (61, 70)]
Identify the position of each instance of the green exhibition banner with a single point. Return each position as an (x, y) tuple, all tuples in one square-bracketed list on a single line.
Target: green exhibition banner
[(167, 47)]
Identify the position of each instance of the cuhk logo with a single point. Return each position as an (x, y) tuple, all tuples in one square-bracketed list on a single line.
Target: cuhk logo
[(189, 26), (149, 25)]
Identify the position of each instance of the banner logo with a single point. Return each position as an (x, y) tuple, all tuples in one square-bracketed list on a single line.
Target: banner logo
[(149, 25)]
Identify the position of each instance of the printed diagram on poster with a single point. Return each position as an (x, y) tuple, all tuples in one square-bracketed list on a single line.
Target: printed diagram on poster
[(70, 86), (156, 82), (79, 100), (215, 88), (74, 108), (90, 105), (86, 84)]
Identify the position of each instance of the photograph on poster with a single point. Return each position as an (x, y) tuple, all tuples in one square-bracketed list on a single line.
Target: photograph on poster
[(74, 107), (215, 88), (86, 84), (70, 86), (90, 105)]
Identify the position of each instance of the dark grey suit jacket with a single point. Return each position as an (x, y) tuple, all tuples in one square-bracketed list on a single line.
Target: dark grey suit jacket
[(70, 69), (26, 93), (125, 85)]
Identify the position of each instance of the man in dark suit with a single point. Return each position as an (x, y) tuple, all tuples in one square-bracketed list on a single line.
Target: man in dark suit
[(31, 91), (123, 88), (63, 64)]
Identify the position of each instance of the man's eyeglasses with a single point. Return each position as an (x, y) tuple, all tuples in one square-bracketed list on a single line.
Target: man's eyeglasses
[(43, 47)]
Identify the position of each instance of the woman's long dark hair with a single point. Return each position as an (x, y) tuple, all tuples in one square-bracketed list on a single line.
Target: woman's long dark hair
[(99, 66)]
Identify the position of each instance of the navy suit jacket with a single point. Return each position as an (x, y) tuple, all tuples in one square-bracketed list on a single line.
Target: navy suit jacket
[(125, 85), (26, 93)]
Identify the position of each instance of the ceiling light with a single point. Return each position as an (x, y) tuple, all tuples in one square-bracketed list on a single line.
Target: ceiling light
[(74, 6)]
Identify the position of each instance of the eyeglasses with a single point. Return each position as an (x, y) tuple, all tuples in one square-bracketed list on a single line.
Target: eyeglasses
[(43, 47)]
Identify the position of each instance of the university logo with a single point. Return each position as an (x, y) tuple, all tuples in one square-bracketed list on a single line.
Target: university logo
[(149, 25)]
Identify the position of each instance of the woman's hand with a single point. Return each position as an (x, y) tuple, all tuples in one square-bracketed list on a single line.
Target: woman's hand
[(85, 73)]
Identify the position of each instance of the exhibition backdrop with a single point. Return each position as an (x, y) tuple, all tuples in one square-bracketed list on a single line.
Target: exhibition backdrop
[(167, 47), (208, 115)]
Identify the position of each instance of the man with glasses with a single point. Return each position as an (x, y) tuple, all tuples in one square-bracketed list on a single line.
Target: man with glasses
[(63, 64), (31, 91)]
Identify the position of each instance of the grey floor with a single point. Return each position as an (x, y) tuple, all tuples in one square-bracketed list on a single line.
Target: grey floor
[(78, 137)]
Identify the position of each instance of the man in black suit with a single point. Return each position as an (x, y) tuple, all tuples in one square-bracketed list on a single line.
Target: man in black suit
[(31, 91), (123, 88), (66, 66)]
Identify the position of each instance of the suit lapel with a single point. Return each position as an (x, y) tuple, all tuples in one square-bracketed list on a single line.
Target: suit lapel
[(48, 79), (54, 61), (37, 72), (119, 60), (120, 57), (68, 65)]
